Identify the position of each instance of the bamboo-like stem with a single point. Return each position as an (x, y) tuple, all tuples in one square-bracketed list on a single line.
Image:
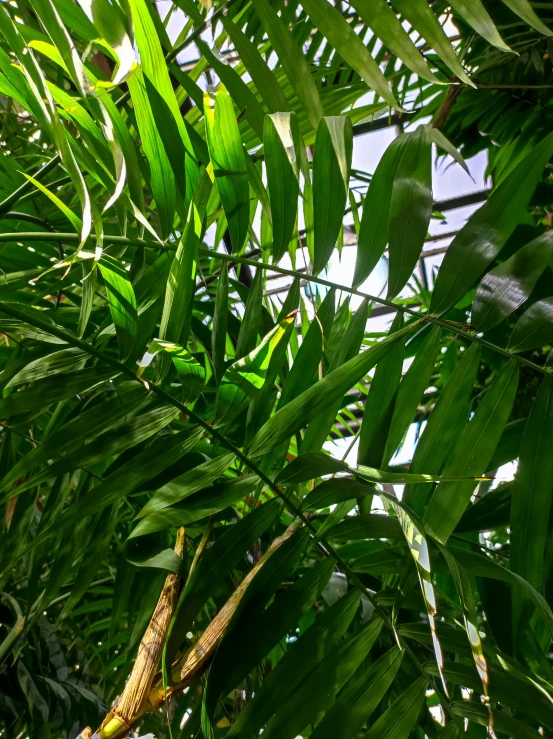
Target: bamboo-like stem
[(132, 700), (190, 666), (17, 628), (123, 240)]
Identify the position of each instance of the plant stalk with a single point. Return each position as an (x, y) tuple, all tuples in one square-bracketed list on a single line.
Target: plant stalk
[(448, 326), (191, 665), (135, 694)]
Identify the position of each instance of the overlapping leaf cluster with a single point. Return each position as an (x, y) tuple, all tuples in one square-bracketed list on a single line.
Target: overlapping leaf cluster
[(156, 388)]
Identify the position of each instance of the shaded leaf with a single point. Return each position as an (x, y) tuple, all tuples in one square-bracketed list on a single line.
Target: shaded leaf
[(480, 240), (410, 209), (195, 479), (295, 665), (350, 47), (229, 163), (122, 303), (374, 229), (331, 170), (506, 287), (346, 717), (472, 454), (399, 718), (534, 328), (292, 60), (281, 147), (445, 425)]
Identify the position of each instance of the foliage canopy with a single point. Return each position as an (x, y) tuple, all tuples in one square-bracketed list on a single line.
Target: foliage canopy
[(179, 550)]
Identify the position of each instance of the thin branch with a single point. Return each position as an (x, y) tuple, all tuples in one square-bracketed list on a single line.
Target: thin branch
[(447, 325)]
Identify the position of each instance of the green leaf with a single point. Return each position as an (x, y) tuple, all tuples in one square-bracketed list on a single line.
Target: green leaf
[(241, 94), (135, 472), (143, 553), (196, 506), (251, 323), (399, 718), (481, 566), (489, 512), (75, 221), (385, 560), (89, 288), (245, 378), (374, 475), (33, 400), (122, 436), (534, 328), (506, 287), (531, 495), (190, 482), (56, 363), (128, 147), (113, 23), (335, 490), (92, 560), (464, 590), (295, 665), (378, 15), (448, 732), (346, 717), (76, 432), (411, 390), (348, 348), (309, 466), (416, 538), (479, 242), (255, 632), (300, 411), (189, 370), (421, 17), (435, 135), (293, 61), (281, 148), (444, 427), (472, 454), (502, 722), (229, 163), (365, 526), (122, 303), (37, 705), (156, 74), (262, 75), (410, 209), (55, 28), (331, 170), (350, 47), (379, 405), (322, 684), (162, 178), (373, 233), (525, 11), (476, 15), (177, 307), (507, 688), (280, 562), (303, 371)]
